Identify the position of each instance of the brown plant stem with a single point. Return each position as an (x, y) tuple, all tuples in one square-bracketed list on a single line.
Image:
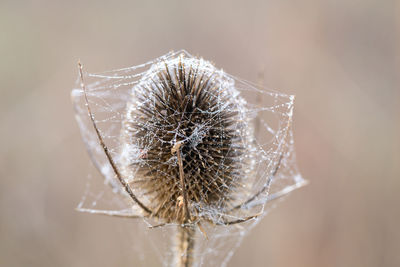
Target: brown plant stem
[(186, 233), (177, 149), (184, 254)]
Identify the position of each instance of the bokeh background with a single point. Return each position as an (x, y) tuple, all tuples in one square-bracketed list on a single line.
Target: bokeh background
[(339, 57)]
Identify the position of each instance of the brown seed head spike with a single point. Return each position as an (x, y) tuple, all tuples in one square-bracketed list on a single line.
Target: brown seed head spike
[(184, 139)]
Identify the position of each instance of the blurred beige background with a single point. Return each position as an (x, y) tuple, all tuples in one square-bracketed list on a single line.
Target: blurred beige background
[(339, 57)]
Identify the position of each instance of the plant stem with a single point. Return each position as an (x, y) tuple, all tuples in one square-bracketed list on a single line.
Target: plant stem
[(184, 248), (185, 233)]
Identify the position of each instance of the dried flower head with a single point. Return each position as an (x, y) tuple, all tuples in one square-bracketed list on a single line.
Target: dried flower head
[(178, 139), (185, 116)]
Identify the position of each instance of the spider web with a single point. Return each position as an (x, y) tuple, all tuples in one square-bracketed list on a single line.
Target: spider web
[(271, 170)]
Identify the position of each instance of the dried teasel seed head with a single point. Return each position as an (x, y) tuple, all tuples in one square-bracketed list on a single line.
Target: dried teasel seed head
[(185, 101)]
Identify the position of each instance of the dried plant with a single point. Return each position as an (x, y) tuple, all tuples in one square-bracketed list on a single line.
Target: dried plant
[(188, 154)]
